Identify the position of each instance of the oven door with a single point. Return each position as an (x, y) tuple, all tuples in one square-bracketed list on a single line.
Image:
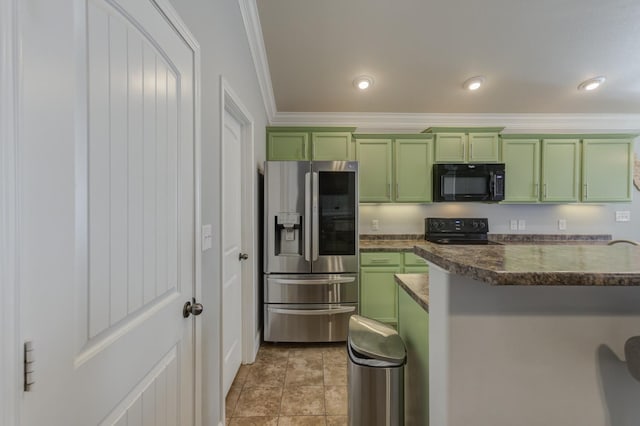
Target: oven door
[(307, 322)]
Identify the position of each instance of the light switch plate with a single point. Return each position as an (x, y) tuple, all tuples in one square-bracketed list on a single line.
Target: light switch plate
[(513, 225), (623, 216), (207, 237), (562, 224), (375, 225)]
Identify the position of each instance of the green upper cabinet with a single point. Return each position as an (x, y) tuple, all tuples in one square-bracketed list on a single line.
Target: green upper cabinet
[(484, 148), (451, 147), (560, 170), (522, 168), (607, 169), (395, 167), (288, 146), (466, 145), (374, 169), (331, 146), (412, 170), (302, 143)]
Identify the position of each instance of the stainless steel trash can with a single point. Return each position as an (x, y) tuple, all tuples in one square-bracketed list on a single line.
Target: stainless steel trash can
[(375, 373)]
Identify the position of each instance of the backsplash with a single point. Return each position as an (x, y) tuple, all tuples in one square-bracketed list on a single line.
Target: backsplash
[(536, 219)]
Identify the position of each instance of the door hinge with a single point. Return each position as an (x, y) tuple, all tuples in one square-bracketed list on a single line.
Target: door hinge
[(29, 360)]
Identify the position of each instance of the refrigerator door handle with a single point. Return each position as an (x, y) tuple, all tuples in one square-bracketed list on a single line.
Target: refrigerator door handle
[(314, 219), (307, 216), (312, 311)]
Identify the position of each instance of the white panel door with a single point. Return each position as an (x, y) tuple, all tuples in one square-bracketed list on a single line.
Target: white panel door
[(107, 213), (231, 249)]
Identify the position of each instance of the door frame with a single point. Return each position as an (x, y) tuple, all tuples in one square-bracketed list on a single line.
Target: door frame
[(230, 102), (10, 355)]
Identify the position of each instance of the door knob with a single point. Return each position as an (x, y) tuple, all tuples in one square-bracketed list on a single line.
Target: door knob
[(192, 308), (243, 256)]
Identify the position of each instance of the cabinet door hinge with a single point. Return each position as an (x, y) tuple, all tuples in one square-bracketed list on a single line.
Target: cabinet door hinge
[(29, 360)]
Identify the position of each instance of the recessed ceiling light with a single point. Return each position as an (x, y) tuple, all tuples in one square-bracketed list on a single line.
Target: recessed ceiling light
[(363, 82), (592, 83), (473, 83)]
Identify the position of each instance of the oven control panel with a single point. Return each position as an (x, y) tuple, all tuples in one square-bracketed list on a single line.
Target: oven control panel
[(440, 225)]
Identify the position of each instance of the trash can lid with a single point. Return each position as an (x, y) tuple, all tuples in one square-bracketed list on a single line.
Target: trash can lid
[(376, 340)]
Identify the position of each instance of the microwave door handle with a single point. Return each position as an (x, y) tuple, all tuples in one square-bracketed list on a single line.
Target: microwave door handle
[(307, 216), (314, 219)]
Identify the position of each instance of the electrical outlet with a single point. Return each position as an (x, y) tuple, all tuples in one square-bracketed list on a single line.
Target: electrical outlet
[(562, 224), (513, 225), (522, 225), (375, 225), (623, 216)]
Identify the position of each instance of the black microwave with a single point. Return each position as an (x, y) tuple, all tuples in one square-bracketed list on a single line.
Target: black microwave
[(468, 182)]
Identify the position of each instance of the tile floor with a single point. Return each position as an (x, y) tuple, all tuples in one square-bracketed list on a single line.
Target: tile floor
[(291, 384)]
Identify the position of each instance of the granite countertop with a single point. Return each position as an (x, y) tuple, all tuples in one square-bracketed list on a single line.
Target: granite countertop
[(570, 264), (389, 242), (416, 286)]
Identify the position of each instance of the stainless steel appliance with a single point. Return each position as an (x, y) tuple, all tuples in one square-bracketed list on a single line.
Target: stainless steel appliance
[(375, 374), (311, 250), (468, 182), (457, 230)]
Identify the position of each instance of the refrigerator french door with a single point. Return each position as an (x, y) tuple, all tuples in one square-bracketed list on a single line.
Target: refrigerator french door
[(311, 250)]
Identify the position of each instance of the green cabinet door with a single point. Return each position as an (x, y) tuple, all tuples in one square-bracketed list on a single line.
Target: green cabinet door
[(413, 165), (413, 327), (607, 170), (334, 146), (288, 146), (522, 170), (451, 148), (483, 148), (379, 293), (560, 170), (374, 170)]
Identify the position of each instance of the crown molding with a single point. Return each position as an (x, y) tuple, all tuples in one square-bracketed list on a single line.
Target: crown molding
[(249, 11), (398, 122)]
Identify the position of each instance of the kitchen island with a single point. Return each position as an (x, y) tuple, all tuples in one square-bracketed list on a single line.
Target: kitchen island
[(532, 334)]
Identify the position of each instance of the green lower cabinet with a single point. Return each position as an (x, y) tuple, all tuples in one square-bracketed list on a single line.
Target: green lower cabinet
[(413, 327), (379, 293)]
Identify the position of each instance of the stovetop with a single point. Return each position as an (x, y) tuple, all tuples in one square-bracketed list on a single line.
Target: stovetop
[(457, 230)]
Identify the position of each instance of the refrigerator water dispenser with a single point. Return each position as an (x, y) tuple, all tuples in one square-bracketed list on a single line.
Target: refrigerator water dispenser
[(288, 236)]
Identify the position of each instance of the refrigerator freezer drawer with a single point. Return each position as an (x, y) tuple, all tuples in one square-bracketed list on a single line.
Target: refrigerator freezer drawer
[(307, 323), (320, 288)]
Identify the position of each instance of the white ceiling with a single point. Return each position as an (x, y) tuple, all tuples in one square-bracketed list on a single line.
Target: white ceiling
[(533, 53)]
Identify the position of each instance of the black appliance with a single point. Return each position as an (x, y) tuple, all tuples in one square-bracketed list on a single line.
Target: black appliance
[(456, 231), (468, 182)]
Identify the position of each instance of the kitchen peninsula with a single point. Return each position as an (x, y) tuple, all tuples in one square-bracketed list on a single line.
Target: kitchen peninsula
[(532, 334)]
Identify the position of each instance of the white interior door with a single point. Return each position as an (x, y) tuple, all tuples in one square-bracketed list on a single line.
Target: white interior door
[(231, 248), (107, 232)]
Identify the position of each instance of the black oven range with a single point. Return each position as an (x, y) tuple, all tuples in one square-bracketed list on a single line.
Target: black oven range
[(442, 230)]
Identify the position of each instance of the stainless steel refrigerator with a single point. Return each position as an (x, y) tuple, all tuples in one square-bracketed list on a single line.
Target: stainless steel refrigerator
[(311, 250)]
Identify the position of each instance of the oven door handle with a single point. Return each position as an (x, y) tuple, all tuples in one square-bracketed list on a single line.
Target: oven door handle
[(305, 312), (306, 281)]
